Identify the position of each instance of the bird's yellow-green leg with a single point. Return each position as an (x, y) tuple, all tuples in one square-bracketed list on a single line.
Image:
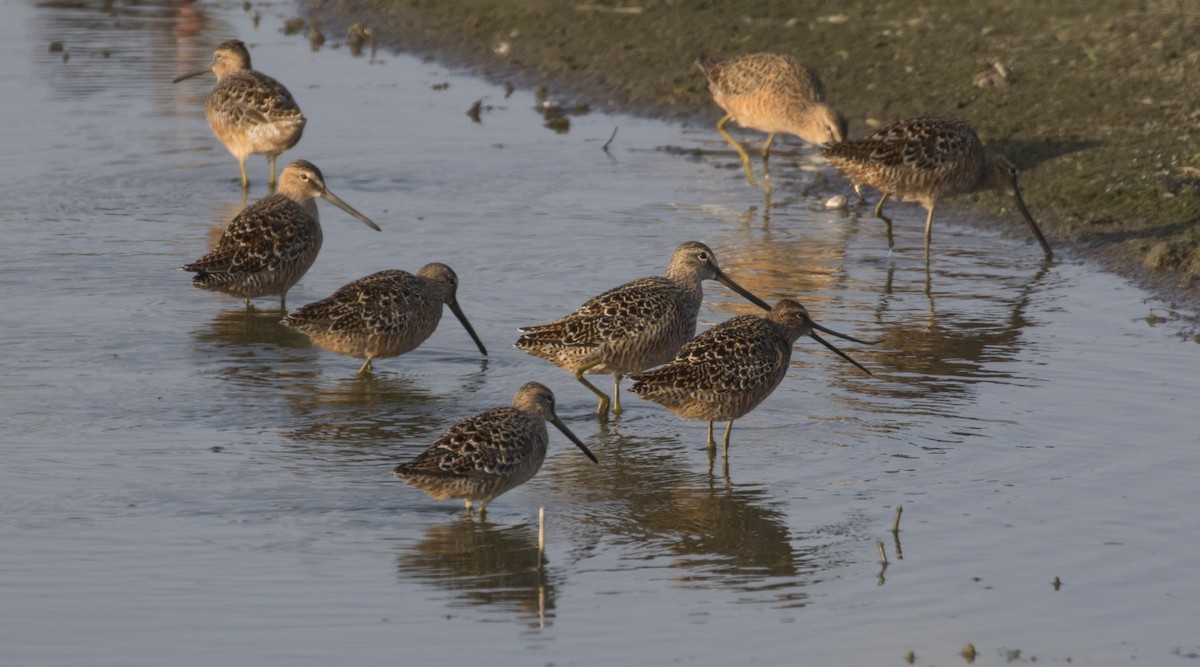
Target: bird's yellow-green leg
[(766, 155), (468, 502), (245, 178), (483, 510), (737, 147), (602, 409), (366, 368), (616, 395), (887, 222), (271, 181), (725, 440), (712, 444)]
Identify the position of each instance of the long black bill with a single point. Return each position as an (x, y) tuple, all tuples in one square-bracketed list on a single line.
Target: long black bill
[(728, 282), (467, 325), (206, 70), (571, 436), (1032, 225), (836, 351), (337, 201)]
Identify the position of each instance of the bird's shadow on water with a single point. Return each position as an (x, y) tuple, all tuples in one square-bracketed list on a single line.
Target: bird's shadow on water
[(484, 565)]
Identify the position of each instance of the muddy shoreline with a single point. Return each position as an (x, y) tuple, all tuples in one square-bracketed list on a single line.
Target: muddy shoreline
[(1098, 108)]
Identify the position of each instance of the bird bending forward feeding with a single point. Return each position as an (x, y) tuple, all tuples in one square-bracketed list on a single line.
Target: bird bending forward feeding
[(771, 93), (385, 314), (725, 372), (923, 160)]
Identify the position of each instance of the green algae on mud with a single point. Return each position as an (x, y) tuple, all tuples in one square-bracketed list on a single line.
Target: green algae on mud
[(1099, 108)]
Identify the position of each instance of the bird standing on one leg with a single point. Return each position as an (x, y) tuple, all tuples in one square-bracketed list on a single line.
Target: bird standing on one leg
[(486, 455), (272, 243), (249, 111), (633, 327), (725, 372), (923, 160), (771, 93)]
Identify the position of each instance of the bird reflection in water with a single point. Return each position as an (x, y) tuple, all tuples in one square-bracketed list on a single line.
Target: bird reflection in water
[(359, 415), (482, 564), (254, 354), (369, 415), (242, 333), (767, 265), (939, 344), (649, 501)]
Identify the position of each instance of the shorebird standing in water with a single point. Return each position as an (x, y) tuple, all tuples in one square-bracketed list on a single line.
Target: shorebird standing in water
[(923, 160), (385, 314), (249, 111), (725, 372), (490, 453), (771, 93), (633, 327), (272, 242)]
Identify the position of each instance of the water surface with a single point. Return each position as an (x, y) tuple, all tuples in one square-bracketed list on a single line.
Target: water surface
[(184, 481)]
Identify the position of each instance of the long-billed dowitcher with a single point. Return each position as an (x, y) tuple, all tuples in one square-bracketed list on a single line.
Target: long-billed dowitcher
[(771, 93), (923, 160), (249, 111), (633, 327), (382, 315), (490, 453), (272, 242), (725, 372)]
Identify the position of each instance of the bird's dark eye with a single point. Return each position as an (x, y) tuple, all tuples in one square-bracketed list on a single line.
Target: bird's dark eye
[(702, 256), (304, 177)]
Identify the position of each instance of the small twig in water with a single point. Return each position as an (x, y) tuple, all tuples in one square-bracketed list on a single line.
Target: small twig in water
[(882, 551), (610, 138), (541, 536), (896, 522)]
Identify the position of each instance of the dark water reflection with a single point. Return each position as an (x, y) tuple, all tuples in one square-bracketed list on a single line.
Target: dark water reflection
[(360, 413), (238, 330), (933, 352), (481, 564), (649, 499)]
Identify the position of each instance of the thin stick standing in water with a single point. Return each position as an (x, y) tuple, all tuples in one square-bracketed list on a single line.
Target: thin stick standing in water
[(882, 551), (610, 138), (896, 522), (541, 536)]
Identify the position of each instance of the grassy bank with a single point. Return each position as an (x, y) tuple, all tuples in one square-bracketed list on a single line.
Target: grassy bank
[(1100, 110)]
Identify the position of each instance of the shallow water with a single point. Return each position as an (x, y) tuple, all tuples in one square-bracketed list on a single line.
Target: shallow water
[(187, 482)]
